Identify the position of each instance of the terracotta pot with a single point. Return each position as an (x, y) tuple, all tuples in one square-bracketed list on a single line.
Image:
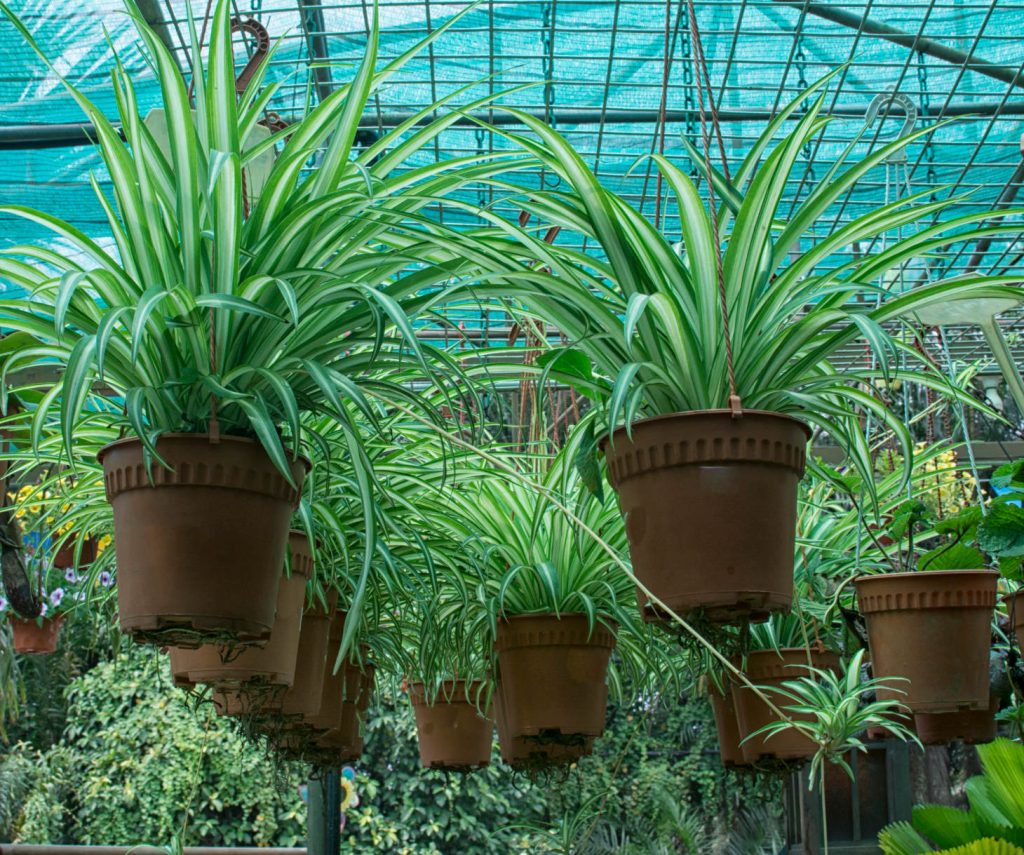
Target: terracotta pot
[(527, 754), (970, 726), (452, 733), (913, 618), (553, 675), (199, 546), (357, 690), (335, 689), (272, 665), (30, 637), (65, 556), (304, 697), (710, 508), (724, 710), (768, 668), (1015, 608)]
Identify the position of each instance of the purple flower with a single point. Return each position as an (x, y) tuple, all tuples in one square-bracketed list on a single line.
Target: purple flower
[(56, 596), (106, 580), (3, 604), (43, 610), (70, 575), (80, 597)]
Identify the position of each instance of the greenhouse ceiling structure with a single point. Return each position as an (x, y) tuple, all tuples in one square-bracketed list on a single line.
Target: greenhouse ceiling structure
[(617, 78)]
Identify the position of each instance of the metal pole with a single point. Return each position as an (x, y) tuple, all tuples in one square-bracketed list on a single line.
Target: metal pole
[(332, 815), (316, 827), (934, 49)]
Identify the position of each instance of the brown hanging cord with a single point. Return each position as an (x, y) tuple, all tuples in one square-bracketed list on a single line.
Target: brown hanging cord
[(703, 76)]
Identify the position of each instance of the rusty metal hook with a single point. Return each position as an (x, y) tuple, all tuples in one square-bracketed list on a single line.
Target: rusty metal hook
[(255, 29)]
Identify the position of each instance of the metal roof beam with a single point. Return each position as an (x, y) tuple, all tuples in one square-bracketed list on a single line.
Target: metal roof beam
[(311, 14), (918, 44), (154, 16)]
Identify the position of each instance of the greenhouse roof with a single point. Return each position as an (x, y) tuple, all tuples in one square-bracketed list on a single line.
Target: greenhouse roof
[(605, 72)]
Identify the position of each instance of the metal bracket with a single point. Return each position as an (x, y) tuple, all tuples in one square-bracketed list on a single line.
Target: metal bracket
[(888, 99)]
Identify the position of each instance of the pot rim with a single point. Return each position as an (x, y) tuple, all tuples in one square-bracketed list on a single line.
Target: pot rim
[(134, 440), (868, 577), (599, 620), (718, 411)]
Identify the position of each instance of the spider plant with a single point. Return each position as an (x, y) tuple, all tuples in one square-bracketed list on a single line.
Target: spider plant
[(645, 323), (838, 715), (218, 306)]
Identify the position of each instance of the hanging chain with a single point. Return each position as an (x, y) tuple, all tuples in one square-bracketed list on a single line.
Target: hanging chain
[(800, 61), (256, 6), (548, 73), (689, 102), (929, 146), (703, 77), (481, 150)]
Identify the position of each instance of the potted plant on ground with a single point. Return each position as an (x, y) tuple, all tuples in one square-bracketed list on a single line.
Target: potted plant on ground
[(706, 437), (218, 322)]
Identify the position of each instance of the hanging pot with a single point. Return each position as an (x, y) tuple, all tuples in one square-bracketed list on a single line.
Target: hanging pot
[(200, 545), (65, 557), (29, 637), (357, 689), (913, 617), (269, 666), (334, 689), (452, 732), (710, 507), (553, 671), (970, 726), (768, 669), (303, 699), (728, 728), (532, 754)]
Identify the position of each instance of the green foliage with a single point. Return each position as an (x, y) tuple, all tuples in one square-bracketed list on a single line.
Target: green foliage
[(131, 762), (996, 811)]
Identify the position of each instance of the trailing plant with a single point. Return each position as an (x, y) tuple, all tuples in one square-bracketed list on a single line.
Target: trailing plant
[(839, 713)]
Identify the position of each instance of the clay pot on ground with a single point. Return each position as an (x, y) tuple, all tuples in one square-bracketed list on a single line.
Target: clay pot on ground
[(932, 628), (267, 667), (552, 676), (31, 637), (528, 755), (970, 726), (726, 724), (710, 507), (200, 545), (768, 669), (452, 732)]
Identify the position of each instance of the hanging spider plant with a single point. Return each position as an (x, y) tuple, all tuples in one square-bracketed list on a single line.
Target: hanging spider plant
[(707, 359), (222, 317)]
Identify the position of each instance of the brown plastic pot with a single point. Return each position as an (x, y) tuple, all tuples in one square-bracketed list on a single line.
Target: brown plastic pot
[(531, 754), (970, 726), (200, 545), (29, 637), (452, 733), (710, 507), (65, 556), (934, 629), (304, 697), (768, 669), (272, 665), (335, 688), (553, 673), (357, 690), (728, 727)]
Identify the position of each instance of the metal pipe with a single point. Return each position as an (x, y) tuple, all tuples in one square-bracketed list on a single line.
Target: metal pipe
[(26, 849), (935, 49), (1004, 201), (154, 16), (311, 16), (82, 133)]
